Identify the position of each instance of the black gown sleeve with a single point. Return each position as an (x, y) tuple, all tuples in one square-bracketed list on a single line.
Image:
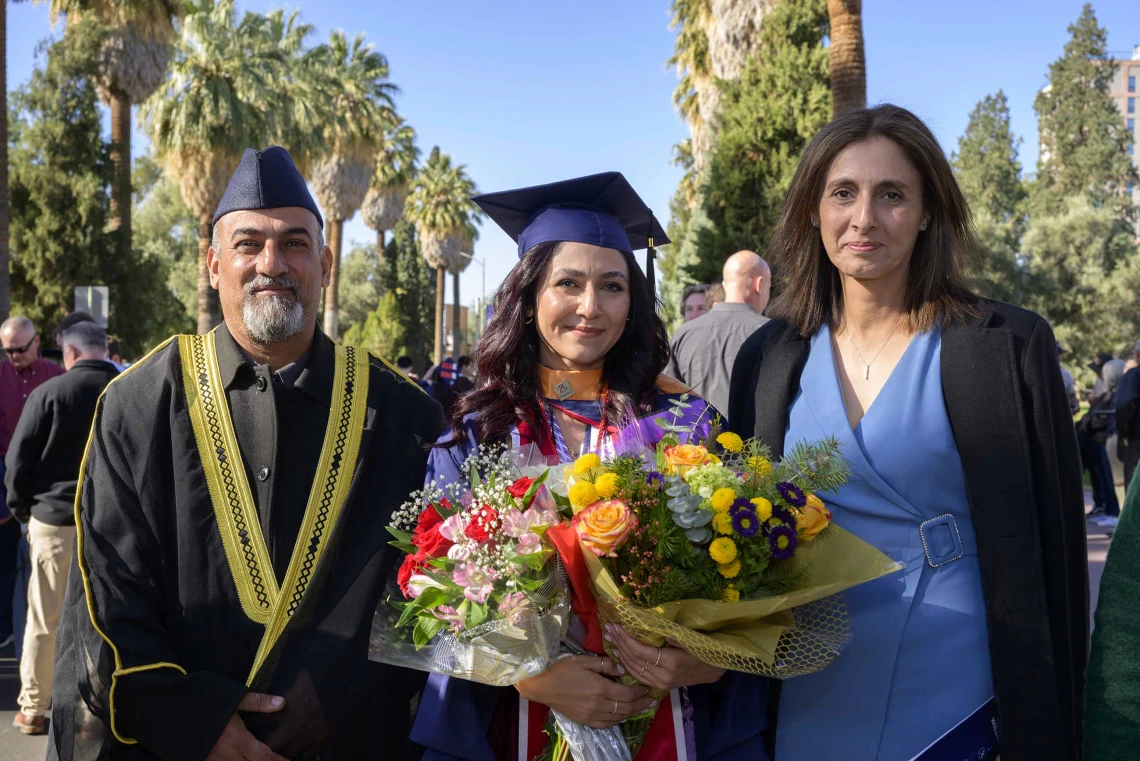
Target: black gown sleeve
[(149, 698), (1061, 523)]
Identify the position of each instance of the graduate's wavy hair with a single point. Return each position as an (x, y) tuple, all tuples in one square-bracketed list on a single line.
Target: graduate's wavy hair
[(937, 292), (508, 387)]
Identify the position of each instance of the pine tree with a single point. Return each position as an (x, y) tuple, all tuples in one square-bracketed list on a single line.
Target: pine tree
[(990, 177), (767, 118), (1083, 138)]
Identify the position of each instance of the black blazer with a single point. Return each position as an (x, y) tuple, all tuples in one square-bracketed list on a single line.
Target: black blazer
[(1011, 421)]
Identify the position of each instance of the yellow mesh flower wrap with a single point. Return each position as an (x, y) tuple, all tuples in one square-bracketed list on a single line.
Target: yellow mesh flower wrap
[(779, 636)]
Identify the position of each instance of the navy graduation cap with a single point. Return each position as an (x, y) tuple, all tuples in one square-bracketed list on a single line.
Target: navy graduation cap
[(266, 179), (601, 209)]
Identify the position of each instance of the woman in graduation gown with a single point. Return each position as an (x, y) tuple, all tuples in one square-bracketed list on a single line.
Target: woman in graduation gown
[(952, 414), (571, 362)]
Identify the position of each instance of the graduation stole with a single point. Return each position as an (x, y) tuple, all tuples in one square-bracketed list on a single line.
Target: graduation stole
[(236, 513)]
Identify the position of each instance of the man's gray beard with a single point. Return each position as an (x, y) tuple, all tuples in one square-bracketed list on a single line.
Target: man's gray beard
[(269, 319)]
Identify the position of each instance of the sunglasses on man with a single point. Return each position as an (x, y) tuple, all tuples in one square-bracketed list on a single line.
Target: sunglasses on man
[(20, 349)]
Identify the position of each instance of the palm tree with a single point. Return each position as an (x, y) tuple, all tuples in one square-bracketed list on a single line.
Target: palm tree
[(224, 76), (136, 49), (441, 208), (383, 207), (697, 86), (848, 63), (358, 100)]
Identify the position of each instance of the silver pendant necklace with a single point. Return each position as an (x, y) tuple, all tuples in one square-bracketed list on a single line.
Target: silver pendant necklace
[(866, 364)]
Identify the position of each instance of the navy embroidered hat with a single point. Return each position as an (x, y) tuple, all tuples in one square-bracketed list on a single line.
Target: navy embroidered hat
[(266, 179), (601, 209)]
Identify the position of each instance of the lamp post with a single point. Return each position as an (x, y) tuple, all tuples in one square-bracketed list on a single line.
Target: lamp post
[(483, 292)]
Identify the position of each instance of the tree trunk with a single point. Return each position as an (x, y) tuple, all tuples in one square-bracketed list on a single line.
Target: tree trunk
[(440, 288), (120, 223), (336, 234), (5, 304), (455, 317), (208, 316), (848, 63)]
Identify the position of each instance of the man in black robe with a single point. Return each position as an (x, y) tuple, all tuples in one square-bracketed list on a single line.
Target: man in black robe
[(231, 545)]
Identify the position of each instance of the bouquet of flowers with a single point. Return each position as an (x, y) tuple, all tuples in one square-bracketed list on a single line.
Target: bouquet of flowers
[(483, 594), (712, 546)]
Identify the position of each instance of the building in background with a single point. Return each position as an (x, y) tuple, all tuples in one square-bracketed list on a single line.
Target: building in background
[(1125, 90)]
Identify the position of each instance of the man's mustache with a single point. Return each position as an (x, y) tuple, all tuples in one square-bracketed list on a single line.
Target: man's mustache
[(262, 281)]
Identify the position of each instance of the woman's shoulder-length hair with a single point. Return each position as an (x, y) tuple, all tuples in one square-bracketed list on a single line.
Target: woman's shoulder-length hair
[(937, 291)]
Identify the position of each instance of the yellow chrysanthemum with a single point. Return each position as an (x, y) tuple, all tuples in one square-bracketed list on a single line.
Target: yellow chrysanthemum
[(723, 550), (730, 441), (722, 499), (722, 523), (763, 508), (712, 459), (583, 494), (732, 595), (729, 570), (760, 465), (606, 484), (586, 463)]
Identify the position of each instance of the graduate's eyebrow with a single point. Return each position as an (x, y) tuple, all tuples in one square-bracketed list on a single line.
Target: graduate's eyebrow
[(564, 272), (299, 231), (243, 231), (887, 183)]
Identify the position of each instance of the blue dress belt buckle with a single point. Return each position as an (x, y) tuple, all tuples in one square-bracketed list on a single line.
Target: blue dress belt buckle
[(941, 540)]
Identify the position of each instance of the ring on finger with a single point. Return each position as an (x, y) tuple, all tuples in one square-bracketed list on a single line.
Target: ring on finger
[(615, 708), (643, 668), (658, 661)]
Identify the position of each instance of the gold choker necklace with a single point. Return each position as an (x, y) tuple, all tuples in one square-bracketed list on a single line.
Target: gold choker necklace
[(577, 385)]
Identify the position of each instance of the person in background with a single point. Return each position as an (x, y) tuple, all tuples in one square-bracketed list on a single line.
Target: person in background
[(1092, 434), (42, 471), (115, 353), (24, 371), (465, 380), (704, 350), (714, 295), (404, 365), (693, 302), (1128, 416), (1100, 423), (1070, 384), (71, 319)]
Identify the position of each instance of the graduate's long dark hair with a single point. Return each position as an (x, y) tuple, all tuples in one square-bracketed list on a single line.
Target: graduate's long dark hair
[(508, 388)]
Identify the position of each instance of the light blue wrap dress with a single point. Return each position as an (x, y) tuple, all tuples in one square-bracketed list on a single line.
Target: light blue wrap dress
[(918, 662)]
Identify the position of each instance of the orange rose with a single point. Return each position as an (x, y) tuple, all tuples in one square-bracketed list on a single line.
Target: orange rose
[(603, 526), (814, 518), (682, 458)]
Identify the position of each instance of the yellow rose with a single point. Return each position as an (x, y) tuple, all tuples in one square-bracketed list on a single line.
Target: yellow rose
[(730, 441), (722, 499), (723, 550), (586, 463), (722, 523), (729, 570), (763, 508), (606, 484), (732, 595), (583, 494), (760, 466), (682, 458), (604, 526), (813, 518)]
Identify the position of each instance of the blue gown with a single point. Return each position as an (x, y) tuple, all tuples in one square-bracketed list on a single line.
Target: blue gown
[(454, 714), (918, 662)]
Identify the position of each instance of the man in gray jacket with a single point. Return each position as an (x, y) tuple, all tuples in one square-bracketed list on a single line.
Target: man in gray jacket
[(705, 349)]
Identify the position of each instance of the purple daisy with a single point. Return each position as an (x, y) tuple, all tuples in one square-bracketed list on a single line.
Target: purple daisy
[(653, 478), (782, 542), (792, 494), (740, 504), (784, 516), (745, 523)]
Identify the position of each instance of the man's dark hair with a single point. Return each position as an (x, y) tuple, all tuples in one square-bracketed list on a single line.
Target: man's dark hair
[(404, 363), (72, 319), (465, 361), (114, 347)]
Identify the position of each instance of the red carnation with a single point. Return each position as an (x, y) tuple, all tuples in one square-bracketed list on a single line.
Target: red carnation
[(520, 487), (412, 563), (479, 527)]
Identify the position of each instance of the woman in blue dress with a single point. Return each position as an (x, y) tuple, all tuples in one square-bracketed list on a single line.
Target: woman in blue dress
[(952, 414), (571, 362)]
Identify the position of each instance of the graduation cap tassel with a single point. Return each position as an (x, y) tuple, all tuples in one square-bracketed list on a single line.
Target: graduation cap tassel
[(650, 255)]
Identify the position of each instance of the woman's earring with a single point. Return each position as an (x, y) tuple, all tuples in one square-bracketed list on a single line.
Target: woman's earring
[(814, 223), (922, 227), (529, 319)]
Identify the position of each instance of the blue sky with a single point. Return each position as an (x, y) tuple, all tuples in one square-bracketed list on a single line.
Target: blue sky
[(532, 92)]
